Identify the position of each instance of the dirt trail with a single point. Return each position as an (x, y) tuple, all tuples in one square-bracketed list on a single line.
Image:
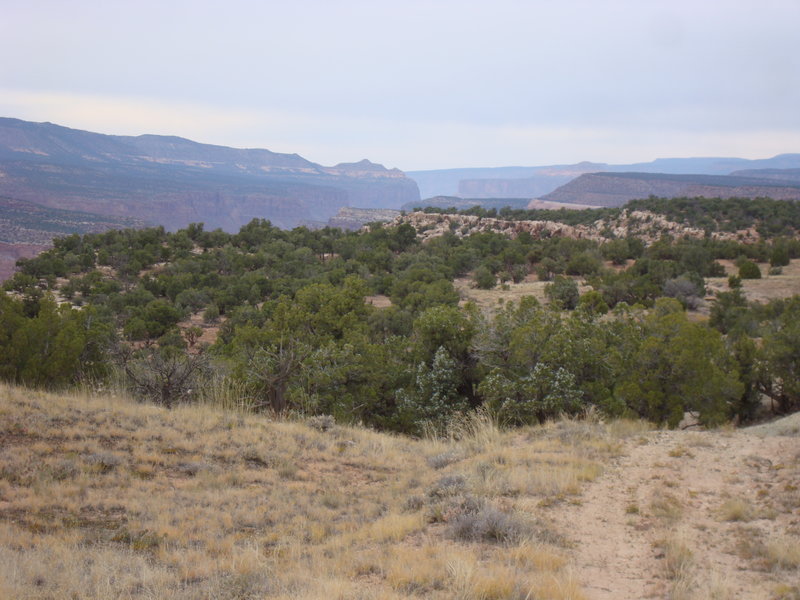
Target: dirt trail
[(729, 498)]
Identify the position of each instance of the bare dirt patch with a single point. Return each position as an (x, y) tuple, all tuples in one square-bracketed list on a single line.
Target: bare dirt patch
[(691, 515), (512, 292), (379, 301), (769, 287)]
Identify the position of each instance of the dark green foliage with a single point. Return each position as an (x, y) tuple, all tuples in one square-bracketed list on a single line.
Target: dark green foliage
[(771, 217), (54, 347), (749, 270), (434, 394), (592, 302), (680, 366), (686, 289), (780, 254), (484, 278), (544, 393), (583, 263), (296, 332), (617, 251), (563, 292), (780, 355), (729, 311)]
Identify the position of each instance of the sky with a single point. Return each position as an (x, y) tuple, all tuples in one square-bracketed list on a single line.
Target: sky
[(416, 84)]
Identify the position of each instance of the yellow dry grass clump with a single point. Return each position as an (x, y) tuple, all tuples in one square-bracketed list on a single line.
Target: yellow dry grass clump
[(105, 498)]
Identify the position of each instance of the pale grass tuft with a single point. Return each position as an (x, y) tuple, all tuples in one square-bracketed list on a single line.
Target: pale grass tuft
[(418, 570), (714, 587), (393, 527), (476, 430), (667, 507), (535, 556), (680, 451), (737, 509), (678, 558), (226, 393), (699, 440), (557, 587), (785, 591), (678, 567), (471, 581), (627, 428), (783, 552)]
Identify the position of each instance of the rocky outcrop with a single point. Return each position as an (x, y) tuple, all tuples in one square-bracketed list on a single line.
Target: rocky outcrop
[(173, 181), (644, 225), (355, 218)]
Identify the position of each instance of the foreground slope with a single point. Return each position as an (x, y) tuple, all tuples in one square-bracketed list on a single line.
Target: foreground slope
[(101, 498), (104, 498)]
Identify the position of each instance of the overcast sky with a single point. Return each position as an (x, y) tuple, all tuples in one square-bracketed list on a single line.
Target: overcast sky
[(417, 84)]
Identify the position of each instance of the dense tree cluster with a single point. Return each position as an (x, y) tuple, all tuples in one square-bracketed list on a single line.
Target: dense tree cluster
[(296, 333)]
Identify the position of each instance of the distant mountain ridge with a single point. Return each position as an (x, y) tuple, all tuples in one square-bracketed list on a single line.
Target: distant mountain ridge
[(535, 182), (615, 189), (775, 174), (174, 181)]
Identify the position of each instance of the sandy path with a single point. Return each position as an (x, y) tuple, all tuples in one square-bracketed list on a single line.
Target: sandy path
[(674, 486)]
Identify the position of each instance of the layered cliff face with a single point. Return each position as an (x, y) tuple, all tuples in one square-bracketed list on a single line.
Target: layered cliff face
[(615, 189), (173, 181)]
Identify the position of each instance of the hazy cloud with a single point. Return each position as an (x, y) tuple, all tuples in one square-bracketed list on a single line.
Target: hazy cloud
[(417, 84)]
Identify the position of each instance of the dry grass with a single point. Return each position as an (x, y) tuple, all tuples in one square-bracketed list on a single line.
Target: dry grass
[(783, 552), (101, 497), (679, 567), (737, 509), (769, 287), (510, 292), (666, 506), (779, 552), (678, 559)]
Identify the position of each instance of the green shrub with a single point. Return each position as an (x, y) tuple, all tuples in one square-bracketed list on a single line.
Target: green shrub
[(563, 292), (484, 279), (749, 270)]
